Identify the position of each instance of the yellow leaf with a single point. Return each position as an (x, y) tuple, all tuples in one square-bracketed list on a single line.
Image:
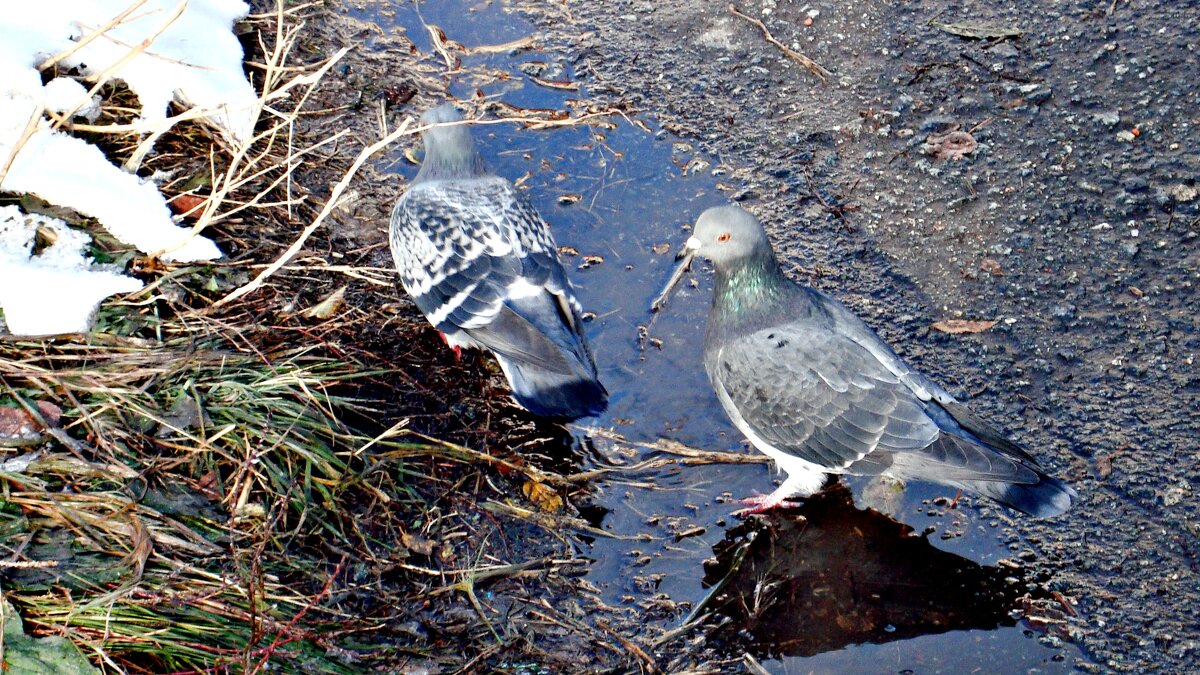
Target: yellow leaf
[(542, 495), (327, 308)]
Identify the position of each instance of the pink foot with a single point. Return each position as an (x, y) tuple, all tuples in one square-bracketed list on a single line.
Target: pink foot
[(763, 503), (457, 350)]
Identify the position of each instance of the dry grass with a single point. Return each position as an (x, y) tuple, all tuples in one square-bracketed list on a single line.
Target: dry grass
[(196, 504)]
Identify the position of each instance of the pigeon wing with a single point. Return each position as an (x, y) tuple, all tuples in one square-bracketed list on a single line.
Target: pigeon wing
[(821, 396), (475, 256), (810, 393), (459, 249)]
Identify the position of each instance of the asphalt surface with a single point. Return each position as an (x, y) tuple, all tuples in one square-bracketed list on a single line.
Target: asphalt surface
[(1073, 223)]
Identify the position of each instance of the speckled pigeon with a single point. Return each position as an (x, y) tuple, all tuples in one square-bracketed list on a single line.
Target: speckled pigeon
[(816, 389), (482, 266)]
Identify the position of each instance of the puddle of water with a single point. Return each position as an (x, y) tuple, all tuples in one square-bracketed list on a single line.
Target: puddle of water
[(827, 588), (926, 603)]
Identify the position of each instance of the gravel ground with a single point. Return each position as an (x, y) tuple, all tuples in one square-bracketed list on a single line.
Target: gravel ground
[(1073, 223)]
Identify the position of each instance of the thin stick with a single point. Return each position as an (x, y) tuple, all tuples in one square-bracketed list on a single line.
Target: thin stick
[(31, 127), (681, 269), (812, 66), (118, 19), (236, 174), (108, 73), (139, 126), (651, 667), (367, 152), (334, 197)]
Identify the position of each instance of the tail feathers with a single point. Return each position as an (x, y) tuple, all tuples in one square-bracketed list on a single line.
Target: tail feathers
[(554, 395), (1043, 499), (547, 362), (1003, 470)]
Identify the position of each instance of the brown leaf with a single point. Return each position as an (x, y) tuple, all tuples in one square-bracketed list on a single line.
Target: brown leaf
[(958, 326), (542, 495), (190, 206), (416, 544), (590, 260), (661, 249), (18, 423), (950, 145), (142, 546), (568, 250), (569, 199), (992, 267)]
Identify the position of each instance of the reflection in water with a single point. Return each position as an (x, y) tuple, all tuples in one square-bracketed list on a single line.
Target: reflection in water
[(830, 575)]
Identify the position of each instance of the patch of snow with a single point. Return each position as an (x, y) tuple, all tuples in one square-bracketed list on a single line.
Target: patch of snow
[(63, 94), (194, 58), (190, 55), (69, 171), (57, 291)]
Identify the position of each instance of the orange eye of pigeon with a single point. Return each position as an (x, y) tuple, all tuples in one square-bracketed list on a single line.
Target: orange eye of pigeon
[(723, 237)]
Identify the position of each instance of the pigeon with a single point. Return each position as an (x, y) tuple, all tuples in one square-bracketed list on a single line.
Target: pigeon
[(814, 388), (482, 266)]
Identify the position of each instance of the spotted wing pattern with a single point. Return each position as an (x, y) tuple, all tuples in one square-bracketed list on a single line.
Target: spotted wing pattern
[(462, 247)]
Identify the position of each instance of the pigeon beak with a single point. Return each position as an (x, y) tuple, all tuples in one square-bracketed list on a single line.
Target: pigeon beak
[(684, 256)]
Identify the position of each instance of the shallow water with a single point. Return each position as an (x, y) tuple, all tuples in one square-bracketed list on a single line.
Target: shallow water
[(833, 587)]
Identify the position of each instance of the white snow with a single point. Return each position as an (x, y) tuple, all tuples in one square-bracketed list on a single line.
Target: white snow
[(191, 56), (68, 171), (58, 290), (62, 95), (195, 58)]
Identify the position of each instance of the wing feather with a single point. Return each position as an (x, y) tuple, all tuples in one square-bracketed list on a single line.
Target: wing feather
[(826, 399), (459, 247), (819, 396)]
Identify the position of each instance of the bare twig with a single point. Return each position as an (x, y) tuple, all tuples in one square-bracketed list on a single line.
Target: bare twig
[(813, 67), (334, 197), (133, 53), (31, 127), (86, 40), (366, 153), (651, 667)]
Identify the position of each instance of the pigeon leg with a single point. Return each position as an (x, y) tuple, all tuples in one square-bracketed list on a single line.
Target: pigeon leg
[(764, 503), (456, 349), (794, 486)]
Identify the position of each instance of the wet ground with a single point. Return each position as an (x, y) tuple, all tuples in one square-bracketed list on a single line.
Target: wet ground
[(1076, 234)]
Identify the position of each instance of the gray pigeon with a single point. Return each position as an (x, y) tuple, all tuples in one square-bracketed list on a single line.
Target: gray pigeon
[(816, 389), (481, 265)]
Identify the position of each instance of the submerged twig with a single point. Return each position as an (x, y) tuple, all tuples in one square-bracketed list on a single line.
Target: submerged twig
[(691, 456), (651, 667)]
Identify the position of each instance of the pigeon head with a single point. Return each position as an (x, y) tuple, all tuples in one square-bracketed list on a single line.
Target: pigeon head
[(728, 236), (733, 240), (449, 151)]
